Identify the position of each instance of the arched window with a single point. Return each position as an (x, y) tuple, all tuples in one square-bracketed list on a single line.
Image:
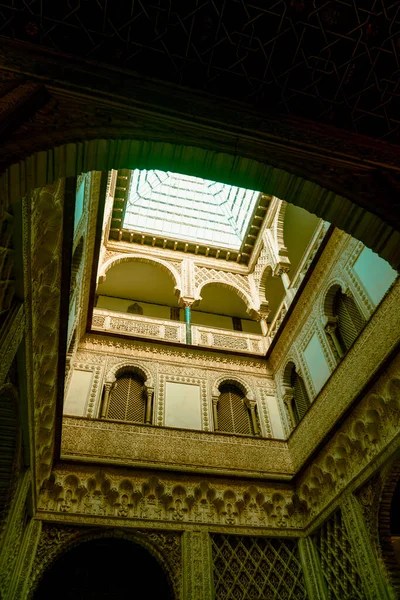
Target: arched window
[(233, 415), (349, 319), (127, 400)]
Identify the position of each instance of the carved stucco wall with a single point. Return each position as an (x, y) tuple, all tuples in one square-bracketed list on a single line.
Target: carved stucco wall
[(308, 316), (99, 354)]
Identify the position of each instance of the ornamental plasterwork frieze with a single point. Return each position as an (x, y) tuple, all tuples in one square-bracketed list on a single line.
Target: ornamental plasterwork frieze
[(106, 345), (371, 348), (42, 215), (136, 499), (369, 433), (149, 446)]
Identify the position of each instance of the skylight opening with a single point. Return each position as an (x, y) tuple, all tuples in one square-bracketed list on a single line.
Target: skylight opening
[(183, 207)]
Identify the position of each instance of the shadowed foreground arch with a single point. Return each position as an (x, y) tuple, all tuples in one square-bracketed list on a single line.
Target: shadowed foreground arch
[(104, 567), (304, 190)]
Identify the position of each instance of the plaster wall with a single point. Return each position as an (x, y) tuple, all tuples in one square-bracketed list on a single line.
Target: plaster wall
[(182, 405), (78, 392)]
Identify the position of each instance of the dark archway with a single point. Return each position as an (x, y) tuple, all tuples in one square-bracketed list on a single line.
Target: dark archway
[(105, 569), (295, 184)]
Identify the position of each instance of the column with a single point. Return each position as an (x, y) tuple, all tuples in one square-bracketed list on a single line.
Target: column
[(374, 584), (281, 270), (252, 405), (288, 396), (188, 325), (263, 315), (187, 303), (314, 578), (330, 328), (198, 581), (215, 400), (149, 405), (106, 399)]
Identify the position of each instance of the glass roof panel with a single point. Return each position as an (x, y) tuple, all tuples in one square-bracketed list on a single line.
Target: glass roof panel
[(189, 208)]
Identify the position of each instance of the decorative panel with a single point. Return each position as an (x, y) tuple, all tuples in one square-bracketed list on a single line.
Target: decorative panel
[(338, 561), (78, 392), (249, 568), (182, 405)]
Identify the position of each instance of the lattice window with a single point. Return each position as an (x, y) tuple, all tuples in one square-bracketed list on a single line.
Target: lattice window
[(248, 568), (350, 320), (127, 400), (301, 401), (337, 561), (232, 412)]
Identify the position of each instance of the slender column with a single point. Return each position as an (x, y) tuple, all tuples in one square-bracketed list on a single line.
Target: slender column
[(330, 328), (281, 270), (215, 412), (197, 566), (106, 399), (288, 400), (252, 405), (188, 325), (374, 584), (149, 405), (315, 582), (263, 314)]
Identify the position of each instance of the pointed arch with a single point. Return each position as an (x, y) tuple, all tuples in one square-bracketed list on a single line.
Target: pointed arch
[(166, 266)]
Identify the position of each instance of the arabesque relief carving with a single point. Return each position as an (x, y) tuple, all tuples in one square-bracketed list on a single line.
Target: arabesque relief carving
[(372, 429), (116, 496)]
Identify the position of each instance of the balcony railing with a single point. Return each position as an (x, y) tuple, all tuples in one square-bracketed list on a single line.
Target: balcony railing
[(174, 331)]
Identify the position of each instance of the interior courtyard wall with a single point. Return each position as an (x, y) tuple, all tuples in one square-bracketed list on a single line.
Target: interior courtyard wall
[(308, 345), (96, 355)]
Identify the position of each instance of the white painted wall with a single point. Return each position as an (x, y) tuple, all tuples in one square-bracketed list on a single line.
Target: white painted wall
[(182, 405), (375, 273), (78, 392), (316, 362), (275, 417)]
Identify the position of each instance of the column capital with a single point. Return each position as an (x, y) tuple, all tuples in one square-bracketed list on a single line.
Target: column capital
[(186, 302), (215, 400), (281, 268), (288, 394)]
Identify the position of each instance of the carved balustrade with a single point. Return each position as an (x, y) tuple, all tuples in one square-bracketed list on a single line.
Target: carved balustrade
[(174, 331), (138, 326)]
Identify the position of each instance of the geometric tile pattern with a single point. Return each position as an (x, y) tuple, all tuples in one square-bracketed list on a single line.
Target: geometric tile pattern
[(335, 61), (250, 568), (337, 561)]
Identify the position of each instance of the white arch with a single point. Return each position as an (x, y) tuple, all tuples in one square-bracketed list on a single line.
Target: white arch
[(235, 380), (243, 295), (133, 366), (166, 266)]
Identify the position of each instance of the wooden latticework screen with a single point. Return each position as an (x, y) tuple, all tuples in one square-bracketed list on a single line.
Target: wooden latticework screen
[(337, 561), (350, 320), (301, 401), (127, 401), (233, 414), (249, 568)]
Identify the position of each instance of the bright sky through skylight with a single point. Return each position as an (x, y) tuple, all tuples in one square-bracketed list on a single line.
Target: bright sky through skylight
[(189, 208)]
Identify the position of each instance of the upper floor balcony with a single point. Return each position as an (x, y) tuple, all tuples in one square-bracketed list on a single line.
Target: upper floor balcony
[(167, 330)]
